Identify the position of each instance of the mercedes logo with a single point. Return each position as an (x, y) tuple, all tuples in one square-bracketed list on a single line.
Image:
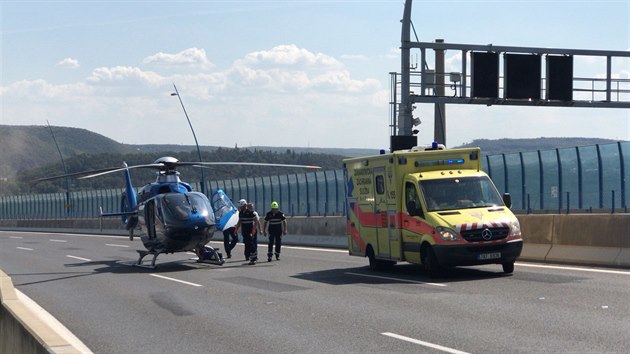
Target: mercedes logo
[(486, 234)]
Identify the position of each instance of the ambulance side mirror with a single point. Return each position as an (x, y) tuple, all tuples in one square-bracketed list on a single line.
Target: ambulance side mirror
[(507, 200)]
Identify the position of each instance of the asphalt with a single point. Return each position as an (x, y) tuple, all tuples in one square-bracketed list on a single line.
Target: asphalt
[(312, 301)]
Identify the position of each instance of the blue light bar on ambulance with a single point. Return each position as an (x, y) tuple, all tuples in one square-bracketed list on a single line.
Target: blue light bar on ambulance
[(439, 162)]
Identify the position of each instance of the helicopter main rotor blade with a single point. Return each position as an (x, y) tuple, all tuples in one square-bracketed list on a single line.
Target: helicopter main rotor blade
[(94, 173), (218, 163), (151, 165)]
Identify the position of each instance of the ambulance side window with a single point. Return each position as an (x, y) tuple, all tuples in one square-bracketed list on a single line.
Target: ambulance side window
[(380, 185), (412, 200)]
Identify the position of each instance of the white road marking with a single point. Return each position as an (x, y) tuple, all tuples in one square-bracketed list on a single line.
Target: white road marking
[(115, 245), (331, 250), (395, 279), (317, 249), (423, 343), (573, 268), (24, 248), (79, 258), (51, 321), (176, 280), (53, 240), (65, 234)]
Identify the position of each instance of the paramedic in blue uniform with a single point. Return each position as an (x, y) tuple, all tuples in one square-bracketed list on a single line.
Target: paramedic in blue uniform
[(277, 223)]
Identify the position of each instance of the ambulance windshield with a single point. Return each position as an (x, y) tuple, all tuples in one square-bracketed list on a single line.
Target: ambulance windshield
[(460, 193)]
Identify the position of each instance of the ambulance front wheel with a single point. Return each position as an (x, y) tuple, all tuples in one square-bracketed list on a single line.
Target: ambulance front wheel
[(429, 260), (508, 268)]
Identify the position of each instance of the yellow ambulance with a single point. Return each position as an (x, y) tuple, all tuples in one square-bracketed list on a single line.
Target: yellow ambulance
[(428, 206)]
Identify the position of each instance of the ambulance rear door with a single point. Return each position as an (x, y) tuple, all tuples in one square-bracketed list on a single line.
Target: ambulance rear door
[(388, 240)]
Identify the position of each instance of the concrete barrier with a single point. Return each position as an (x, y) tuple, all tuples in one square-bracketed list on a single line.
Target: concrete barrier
[(22, 330), (537, 233), (588, 239)]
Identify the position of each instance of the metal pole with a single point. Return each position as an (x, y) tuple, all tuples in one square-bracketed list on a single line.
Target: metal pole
[(542, 182), (579, 162), (404, 113), (439, 127), (203, 187), (600, 177), (522, 180), (622, 172), (505, 175), (559, 180), (65, 171)]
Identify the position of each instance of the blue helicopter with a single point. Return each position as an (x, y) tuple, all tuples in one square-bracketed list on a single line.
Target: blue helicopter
[(167, 214)]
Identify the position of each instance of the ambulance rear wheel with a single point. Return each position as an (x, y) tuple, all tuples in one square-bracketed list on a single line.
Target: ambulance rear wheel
[(374, 264), (508, 268)]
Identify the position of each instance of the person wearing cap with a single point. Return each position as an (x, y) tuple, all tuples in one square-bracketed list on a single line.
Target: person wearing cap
[(276, 223)]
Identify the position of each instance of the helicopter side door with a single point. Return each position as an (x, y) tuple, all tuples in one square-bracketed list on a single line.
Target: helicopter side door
[(149, 216)]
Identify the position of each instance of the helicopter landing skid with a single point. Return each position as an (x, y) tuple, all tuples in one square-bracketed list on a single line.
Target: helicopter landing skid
[(143, 254)]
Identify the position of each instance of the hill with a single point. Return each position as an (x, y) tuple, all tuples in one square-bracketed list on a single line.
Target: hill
[(507, 146), (28, 147), (28, 152), (25, 147)]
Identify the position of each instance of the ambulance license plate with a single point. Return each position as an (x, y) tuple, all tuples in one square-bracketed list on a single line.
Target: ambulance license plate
[(485, 256)]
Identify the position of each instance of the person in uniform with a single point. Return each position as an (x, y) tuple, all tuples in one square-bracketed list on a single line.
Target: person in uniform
[(246, 223), (230, 239), (242, 205), (276, 224)]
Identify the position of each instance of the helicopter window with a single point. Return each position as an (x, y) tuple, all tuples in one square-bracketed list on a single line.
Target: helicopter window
[(150, 218), (164, 189)]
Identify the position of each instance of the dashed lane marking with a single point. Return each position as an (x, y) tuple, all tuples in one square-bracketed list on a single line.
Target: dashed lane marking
[(79, 258), (53, 240), (15, 237), (24, 248), (395, 279), (116, 245), (175, 280), (423, 343)]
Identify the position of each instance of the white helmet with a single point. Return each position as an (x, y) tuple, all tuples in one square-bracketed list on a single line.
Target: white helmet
[(242, 202)]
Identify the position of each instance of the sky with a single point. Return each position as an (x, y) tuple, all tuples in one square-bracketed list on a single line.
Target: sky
[(282, 73)]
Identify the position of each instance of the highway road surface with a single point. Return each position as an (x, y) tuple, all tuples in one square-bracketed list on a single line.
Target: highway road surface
[(312, 301)]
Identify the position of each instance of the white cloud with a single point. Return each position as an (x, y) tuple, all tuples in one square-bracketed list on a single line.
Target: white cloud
[(287, 68), (354, 57), (191, 57), (393, 53), (310, 95), (289, 55), (68, 63), (124, 75)]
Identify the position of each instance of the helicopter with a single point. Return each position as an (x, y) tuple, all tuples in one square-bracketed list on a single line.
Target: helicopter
[(167, 214)]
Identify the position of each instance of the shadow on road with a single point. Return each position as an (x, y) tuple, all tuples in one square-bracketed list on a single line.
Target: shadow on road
[(399, 274)]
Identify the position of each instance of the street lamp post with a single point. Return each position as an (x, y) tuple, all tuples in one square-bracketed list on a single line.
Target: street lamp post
[(176, 93), (65, 171)]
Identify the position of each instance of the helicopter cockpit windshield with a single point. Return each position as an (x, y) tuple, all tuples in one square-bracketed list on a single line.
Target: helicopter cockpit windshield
[(182, 207)]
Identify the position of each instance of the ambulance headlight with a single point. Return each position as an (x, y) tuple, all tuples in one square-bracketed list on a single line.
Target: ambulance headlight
[(447, 234), (515, 228)]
